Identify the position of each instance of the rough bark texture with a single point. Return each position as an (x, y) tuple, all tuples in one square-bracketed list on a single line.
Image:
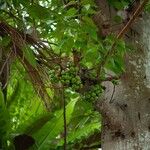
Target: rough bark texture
[(131, 103), (126, 118)]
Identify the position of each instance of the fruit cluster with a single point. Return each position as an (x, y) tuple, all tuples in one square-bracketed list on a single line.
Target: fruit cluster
[(94, 93), (69, 78)]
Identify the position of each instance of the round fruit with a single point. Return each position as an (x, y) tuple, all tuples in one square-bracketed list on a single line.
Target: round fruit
[(70, 78), (94, 93)]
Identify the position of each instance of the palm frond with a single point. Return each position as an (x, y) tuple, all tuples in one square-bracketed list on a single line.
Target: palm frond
[(19, 40)]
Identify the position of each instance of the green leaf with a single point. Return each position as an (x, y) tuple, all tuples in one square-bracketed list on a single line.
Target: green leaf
[(16, 3), (38, 12), (29, 55), (5, 41), (71, 12), (91, 56), (88, 2), (82, 133), (34, 123), (117, 19), (116, 64), (4, 120), (1, 99), (66, 45), (15, 95), (88, 21), (53, 128), (91, 31), (147, 7), (118, 4), (120, 46)]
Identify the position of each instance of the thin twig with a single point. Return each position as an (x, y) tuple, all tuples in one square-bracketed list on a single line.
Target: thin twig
[(91, 147), (5, 63), (65, 121), (111, 99), (132, 18)]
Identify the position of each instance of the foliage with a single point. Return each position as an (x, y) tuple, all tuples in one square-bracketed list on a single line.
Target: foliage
[(55, 50), (4, 121)]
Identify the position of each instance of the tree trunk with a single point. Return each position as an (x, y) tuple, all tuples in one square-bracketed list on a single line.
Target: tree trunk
[(126, 116)]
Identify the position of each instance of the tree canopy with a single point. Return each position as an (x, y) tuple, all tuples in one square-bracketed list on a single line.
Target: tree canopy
[(54, 58)]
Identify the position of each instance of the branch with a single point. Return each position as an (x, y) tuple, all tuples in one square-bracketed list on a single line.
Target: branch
[(132, 18), (111, 78), (111, 99), (91, 147), (71, 4), (97, 80), (65, 120), (64, 117)]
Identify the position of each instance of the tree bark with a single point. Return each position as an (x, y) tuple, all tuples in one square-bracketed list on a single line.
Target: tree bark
[(126, 118), (131, 104)]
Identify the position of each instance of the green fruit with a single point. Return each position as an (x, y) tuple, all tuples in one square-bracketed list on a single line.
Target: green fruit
[(72, 69), (63, 76), (92, 98), (98, 92), (67, 77), (78, 82), (96, 97), (63, 81), (97, 86), (73, 80), (88, 96), (78, 78), (67, 81), (93, 94), (78, 86)]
